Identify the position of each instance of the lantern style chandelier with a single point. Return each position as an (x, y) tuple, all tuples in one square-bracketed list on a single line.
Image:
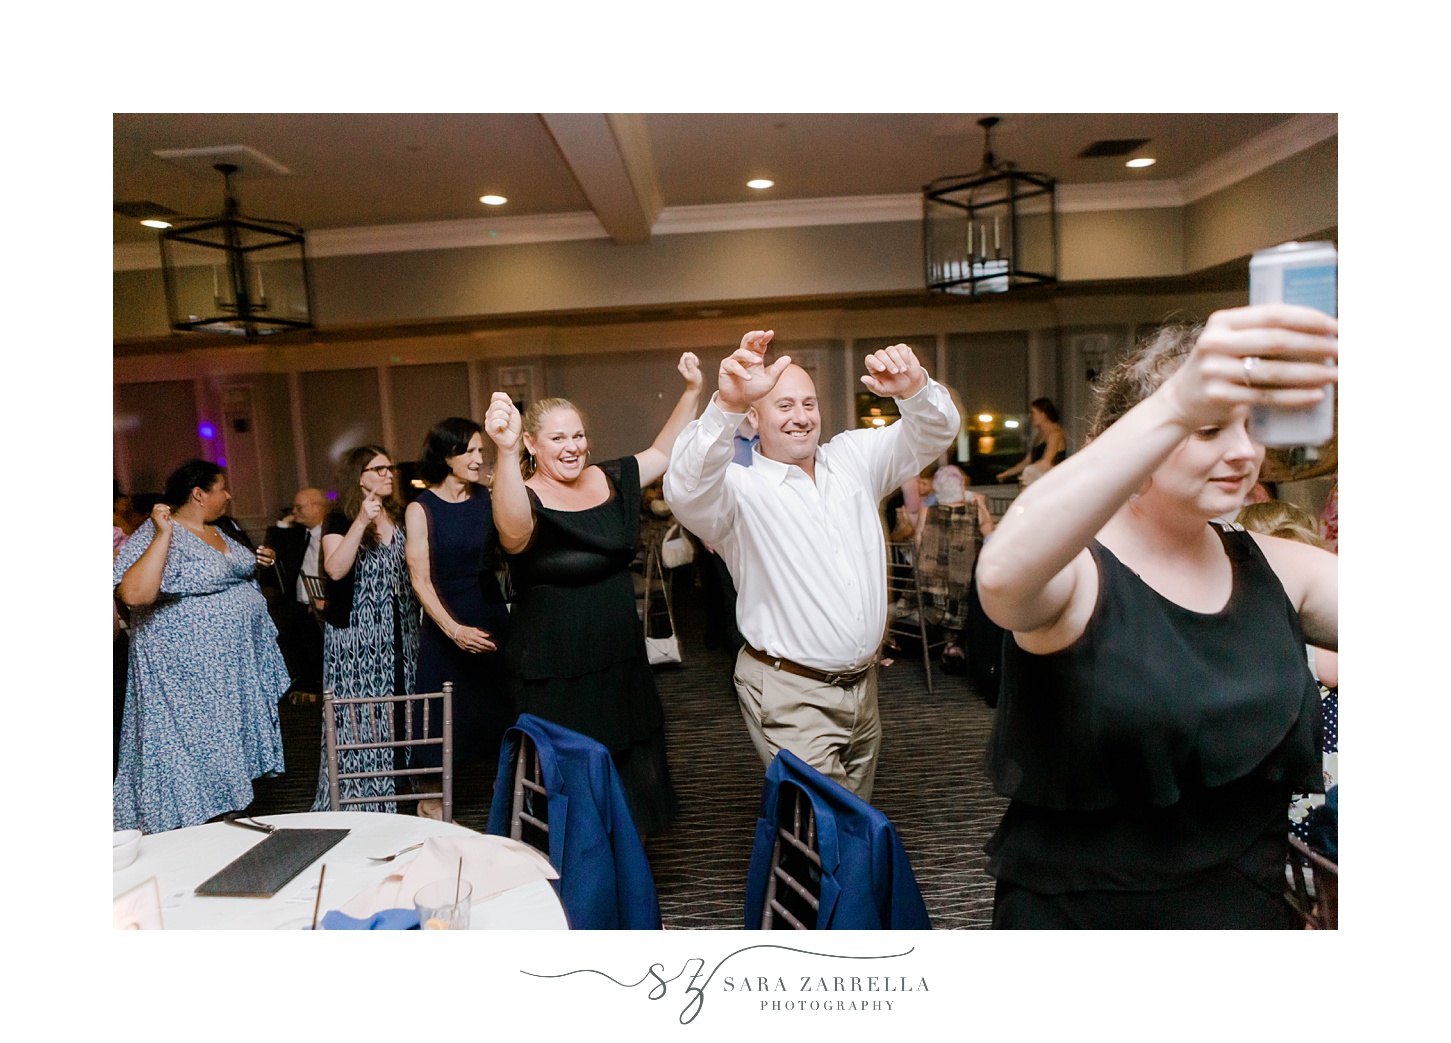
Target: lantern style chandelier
[(236, 274), (992, 230)]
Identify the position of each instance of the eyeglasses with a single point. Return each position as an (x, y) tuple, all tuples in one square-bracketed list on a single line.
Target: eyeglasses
[(382, 470)]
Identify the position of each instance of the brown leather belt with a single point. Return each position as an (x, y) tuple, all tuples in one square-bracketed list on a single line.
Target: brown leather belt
[(844, 680)]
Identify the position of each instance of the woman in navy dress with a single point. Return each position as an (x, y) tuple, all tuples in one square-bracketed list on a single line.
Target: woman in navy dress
[(452, 550), (200, 718)]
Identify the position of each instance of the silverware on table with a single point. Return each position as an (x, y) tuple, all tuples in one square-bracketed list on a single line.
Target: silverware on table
[(389, 858), (236, 818)]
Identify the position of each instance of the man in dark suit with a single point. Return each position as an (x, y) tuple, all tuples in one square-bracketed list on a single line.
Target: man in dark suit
[(297, 542)]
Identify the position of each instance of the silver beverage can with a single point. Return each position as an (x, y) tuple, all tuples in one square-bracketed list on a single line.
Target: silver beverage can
[(1295, 273)]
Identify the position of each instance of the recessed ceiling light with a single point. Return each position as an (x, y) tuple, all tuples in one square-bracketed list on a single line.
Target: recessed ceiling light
[(493, 200), (1144, 162), (760, 182), (153, 223), (984, 418)]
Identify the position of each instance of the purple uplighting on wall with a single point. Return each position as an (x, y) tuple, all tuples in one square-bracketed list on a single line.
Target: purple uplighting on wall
[(207, 431)]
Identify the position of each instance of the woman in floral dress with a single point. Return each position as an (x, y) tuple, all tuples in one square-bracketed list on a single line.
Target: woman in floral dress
[(200, 718)]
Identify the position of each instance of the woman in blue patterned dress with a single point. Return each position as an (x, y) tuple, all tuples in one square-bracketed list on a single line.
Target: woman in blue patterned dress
[(200, 720), (370, 644)]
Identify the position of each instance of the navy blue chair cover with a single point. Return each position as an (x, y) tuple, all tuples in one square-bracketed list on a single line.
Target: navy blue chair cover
[(604, 878), (866, 880)]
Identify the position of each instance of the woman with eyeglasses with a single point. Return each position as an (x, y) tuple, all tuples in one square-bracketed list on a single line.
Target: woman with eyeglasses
[(370, 637), (453, 550)]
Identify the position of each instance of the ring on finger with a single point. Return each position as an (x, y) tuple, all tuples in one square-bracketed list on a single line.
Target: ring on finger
[(1248, 364)]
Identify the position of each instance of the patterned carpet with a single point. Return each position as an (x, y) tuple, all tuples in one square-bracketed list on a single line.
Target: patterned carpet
[(929, 783)]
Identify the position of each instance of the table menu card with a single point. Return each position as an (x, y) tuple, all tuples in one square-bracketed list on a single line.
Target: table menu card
[(265, 869)]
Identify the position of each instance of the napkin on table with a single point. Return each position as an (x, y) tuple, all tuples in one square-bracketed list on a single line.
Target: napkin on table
[(491, 864), (139, 909), (385, 920)]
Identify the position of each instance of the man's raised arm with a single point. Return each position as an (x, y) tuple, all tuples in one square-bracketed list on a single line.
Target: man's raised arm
[(695, 482), (929, 420)]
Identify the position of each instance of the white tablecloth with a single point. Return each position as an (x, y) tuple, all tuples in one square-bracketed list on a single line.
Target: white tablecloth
[(182, 858)]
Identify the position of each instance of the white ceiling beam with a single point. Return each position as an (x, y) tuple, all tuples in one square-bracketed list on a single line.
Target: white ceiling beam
[(609, 155)]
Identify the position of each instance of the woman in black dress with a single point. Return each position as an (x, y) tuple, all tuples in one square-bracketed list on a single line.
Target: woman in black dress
[(577, 655), (452, 550), (1156, 709)]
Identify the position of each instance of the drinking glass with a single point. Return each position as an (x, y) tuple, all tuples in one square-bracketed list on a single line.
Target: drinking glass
[(444, 905)]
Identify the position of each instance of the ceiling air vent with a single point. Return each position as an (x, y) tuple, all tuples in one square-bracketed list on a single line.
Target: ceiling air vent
[(1112, 147), (143, 209)]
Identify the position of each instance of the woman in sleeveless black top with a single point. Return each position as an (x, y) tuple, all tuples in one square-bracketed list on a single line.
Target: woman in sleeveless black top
[(1156, 711), (1048, 440), (577, 654)]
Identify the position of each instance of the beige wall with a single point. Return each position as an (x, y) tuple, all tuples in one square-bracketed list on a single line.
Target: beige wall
[(1295, 198), (156, 424), (1122, 244), (571, 276), (138, 303), (421, 396)]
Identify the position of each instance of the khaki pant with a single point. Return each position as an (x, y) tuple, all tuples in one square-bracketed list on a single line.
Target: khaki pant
[(835, 730)]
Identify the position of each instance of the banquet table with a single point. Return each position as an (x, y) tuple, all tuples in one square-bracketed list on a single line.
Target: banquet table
[(180, 859)]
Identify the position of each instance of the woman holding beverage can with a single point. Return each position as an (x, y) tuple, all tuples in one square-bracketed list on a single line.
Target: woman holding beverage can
[(1156, 710)]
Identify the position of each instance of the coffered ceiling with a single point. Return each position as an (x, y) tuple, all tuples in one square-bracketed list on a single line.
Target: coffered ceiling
[(425, 172)]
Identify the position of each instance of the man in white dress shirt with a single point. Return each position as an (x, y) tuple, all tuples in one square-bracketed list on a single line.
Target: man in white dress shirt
[(801, 533)]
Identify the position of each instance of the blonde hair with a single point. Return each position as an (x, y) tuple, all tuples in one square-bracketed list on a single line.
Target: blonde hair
[(534, 418), (1282, 520)]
